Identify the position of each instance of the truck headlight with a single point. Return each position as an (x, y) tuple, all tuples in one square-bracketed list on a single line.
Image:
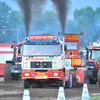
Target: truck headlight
[(27, 74), (55, 74)]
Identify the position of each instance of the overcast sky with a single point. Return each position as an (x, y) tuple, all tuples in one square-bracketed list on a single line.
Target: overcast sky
[(76, 4)]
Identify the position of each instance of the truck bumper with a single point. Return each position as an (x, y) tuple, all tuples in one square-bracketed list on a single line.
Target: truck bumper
[(44, 75)]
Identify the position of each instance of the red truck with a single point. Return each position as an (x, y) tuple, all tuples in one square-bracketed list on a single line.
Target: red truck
[(74, 58), (93, 62)]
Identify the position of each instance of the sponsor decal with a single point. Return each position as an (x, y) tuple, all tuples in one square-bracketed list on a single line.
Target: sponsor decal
[(27, 59), (54, 62), (25, 63), (77, 62), (71, 37), (37, 59), (41, 37), (49, 58)]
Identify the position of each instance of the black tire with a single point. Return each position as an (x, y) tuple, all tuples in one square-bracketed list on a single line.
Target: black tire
[(91, 81), (98, 76), (74, 84), (68, 84), (7, 72), (26, 84), (16, 77), (61, 83)]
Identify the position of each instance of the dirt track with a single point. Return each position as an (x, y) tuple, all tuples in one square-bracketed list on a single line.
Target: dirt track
[(14, 91)]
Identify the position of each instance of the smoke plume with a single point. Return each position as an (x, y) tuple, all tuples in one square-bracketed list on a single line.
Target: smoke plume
[(27, 7), (62, 7)]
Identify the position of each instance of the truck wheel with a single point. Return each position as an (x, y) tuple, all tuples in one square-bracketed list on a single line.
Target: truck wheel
[(99, 76), (7, 72), (91, 81), (68, 84), (73, 78), (26, 84), (61, 83)]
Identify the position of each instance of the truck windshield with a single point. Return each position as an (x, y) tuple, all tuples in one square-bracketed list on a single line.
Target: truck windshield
[(71, 45), (41, 50), (95, 54)]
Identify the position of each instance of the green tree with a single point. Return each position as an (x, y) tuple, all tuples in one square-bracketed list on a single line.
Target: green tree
[(84, 19), (4, 15)]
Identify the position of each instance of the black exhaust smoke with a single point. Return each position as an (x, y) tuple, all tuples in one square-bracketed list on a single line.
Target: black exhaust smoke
[(62, 7), (28, 6)]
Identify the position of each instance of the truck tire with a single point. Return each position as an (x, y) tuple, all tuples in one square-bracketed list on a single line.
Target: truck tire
[(26, 84), (98, 76), (68, 84), (91, 81), (74, 84), (61, 83), (7, 72)]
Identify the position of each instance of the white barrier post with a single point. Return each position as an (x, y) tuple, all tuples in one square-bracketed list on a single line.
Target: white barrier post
[(61, 95), (26, 95), (85, 94)]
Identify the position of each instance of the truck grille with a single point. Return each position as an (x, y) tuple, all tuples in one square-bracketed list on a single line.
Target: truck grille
[(41, 64)]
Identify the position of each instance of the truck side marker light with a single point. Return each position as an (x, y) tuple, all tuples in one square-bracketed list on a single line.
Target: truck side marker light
[(72, 72), (61, 74)]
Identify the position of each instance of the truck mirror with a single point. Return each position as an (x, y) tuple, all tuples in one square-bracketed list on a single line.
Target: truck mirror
[(65, 47), (12, 46)]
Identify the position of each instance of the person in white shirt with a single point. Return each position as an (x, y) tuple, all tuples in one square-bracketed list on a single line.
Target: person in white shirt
[(72, 46)]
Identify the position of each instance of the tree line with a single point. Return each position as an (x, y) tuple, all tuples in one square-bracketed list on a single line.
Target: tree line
[(12, 26)]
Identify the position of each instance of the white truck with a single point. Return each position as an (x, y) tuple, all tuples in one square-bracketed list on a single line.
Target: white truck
[(43, 62)]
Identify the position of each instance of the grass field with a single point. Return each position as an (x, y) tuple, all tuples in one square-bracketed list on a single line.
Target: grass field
[(95, 98), (91, 98)]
